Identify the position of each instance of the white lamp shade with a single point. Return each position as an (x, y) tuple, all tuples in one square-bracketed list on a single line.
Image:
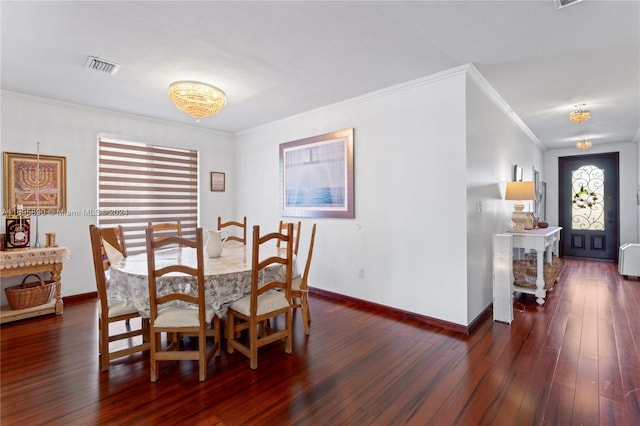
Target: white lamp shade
[(520, 191)]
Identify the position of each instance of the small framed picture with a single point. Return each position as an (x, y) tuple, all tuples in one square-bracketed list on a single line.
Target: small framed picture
[(517, 173), (217, 182)]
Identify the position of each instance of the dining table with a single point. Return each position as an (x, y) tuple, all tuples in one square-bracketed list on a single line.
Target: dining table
[(227, 278)]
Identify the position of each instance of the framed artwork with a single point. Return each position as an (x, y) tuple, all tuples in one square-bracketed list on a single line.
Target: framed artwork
[(517, 173), (542, 211), (217, 182), (316, 176), (37, 182), (537, 184)]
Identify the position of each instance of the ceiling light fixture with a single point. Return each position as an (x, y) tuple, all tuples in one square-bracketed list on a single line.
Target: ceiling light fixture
[(197, 99), (580, 115), (583, 143)]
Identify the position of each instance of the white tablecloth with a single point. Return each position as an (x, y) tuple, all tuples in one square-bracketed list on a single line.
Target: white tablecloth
[(227, 278)]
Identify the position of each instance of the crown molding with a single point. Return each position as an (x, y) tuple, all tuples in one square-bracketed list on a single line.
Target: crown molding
[(488, 89), (396, 88), (468, 69), (85, 108)]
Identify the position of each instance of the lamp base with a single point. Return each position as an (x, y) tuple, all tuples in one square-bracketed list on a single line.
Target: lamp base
[(518, 217)]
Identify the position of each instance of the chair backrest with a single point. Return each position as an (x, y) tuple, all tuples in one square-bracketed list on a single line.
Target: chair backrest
[(257, 265), (307, 265), (166, 229), (153, 244), (100, 263), (296, 234), (232, 237), (115, 237)]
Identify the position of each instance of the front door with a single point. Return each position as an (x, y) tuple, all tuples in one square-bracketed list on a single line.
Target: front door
[(589, 211)]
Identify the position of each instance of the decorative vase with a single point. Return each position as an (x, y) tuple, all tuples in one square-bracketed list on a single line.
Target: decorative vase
[(214, 243)]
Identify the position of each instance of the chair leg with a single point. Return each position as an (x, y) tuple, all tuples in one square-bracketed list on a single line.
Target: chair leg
[(146, 330), (214, 331), (155, 346), (103, 345), (202, 355), (229, 332), (288, 345), (253, 346), (306, 315)]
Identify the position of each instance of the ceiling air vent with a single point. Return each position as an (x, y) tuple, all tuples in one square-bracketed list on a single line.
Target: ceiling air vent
[(102, 65), (564, 3)]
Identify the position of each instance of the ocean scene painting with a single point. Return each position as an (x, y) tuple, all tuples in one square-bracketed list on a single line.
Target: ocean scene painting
[(316, 197), (315, 176)]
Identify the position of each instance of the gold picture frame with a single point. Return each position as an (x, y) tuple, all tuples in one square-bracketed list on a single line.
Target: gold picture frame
[(35, 181)]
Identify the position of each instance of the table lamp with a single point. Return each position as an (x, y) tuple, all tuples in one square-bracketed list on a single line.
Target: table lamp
[(519, 191)]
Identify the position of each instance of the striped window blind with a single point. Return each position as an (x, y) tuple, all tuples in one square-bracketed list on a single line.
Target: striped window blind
[(138, 183)]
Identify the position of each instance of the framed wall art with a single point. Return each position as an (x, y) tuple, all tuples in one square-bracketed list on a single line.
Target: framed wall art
[(217, 182), (316, 176), (517, 173), (35, 181), (537, 185)]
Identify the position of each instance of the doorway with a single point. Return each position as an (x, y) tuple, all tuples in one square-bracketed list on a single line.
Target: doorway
[(589, 205)]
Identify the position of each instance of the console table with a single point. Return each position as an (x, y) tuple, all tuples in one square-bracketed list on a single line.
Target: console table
[(546, 241), (32, 261)]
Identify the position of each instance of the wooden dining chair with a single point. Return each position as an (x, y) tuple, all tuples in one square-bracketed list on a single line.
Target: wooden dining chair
[(300, 289), (197, 320), (262, 304), (115, 237), (296, 233), (166, 228), (242, 229), (110, 312)]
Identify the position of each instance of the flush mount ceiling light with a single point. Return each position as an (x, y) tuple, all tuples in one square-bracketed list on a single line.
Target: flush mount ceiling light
[(583, 143), (580, 115), (197, 99)]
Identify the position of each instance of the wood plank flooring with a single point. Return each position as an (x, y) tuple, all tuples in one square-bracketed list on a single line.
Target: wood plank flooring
[(573, 361)]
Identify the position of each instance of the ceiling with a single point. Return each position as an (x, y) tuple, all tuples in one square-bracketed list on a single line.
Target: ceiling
[(278, 59)]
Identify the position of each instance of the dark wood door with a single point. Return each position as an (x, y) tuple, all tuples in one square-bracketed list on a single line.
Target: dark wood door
[(589, 208)]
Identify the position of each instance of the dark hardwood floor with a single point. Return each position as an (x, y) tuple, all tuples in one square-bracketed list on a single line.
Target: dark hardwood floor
[(573, 361)]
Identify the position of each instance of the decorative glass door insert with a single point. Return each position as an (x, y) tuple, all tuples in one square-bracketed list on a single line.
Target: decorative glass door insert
[(588, 198)]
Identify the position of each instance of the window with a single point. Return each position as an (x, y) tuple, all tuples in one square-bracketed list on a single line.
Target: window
[(138, 183), (588, 198)]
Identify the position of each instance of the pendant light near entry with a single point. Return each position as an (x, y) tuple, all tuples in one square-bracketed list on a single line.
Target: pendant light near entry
[(583, 143), (580, 115)]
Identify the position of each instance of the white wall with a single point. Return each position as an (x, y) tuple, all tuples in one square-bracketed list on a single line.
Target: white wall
[(495, 143), (409, 230), (423, 247), (629, 232), (71, 131)]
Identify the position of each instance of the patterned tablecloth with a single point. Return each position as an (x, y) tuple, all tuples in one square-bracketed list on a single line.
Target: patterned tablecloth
[(227, 278), (10, 259)]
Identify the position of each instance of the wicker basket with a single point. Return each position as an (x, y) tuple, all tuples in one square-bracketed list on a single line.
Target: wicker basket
[(29, 294)]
